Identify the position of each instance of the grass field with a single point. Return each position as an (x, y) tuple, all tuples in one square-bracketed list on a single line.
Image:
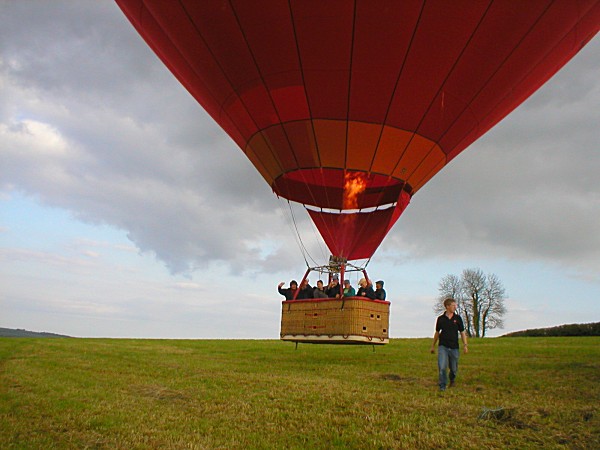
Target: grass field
[(128, 394)]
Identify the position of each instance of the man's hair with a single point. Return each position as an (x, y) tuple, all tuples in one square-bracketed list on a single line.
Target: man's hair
[(448, 301)]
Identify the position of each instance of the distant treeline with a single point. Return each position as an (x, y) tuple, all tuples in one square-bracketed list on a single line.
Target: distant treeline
[(8, 332), (576, 329)]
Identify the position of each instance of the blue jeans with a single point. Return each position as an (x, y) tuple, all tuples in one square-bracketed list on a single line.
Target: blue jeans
[(447, 359)]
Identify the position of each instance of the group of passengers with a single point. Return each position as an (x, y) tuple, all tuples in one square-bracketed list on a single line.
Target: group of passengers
[(332, 290)]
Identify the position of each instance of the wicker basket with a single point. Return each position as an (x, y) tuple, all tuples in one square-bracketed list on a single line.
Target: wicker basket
[(353, 320)]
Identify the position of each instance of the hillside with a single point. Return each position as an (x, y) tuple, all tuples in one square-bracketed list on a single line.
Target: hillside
[(9, 332)]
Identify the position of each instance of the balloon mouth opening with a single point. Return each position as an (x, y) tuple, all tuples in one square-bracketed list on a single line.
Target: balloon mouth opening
[(340, 189)]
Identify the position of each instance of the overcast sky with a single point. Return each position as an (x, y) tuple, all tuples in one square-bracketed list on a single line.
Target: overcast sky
[(125, 211)]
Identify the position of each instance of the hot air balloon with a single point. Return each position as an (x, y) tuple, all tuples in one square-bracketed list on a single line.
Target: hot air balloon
[(349, 107)]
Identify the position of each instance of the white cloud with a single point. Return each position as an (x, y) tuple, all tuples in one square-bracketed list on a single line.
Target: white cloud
[(110, 135)]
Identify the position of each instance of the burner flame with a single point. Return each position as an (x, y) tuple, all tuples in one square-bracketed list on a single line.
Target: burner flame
[(355, 184)]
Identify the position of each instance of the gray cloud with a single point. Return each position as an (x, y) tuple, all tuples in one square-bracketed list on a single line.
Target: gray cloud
[(91, 121), (528, 189)]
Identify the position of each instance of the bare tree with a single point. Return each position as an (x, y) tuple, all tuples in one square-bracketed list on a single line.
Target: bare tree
[(480, 300), (473, 287), (492, 304), (451, 286)]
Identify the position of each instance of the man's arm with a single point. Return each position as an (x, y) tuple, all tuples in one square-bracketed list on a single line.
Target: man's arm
[(436, 336), (463, 336)]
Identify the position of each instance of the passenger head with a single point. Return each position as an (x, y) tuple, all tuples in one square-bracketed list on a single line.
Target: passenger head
[(346, 282), (379, 284), (294, 284), (320, 284), (362, 282)]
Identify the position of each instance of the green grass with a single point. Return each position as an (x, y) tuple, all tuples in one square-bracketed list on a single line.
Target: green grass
[(127, 394)]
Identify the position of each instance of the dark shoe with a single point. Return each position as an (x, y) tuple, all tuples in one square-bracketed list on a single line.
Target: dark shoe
[(451, 383)]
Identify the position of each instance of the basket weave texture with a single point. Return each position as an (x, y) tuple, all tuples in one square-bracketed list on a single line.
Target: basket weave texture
[(328, 317)]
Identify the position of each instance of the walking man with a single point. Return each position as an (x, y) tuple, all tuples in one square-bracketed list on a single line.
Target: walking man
[(447, 328)]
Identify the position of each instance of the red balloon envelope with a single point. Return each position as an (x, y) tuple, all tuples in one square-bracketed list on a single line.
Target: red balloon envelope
[(352, 106)]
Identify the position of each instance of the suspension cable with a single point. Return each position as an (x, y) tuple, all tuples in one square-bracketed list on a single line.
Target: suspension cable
[(299, 237)]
